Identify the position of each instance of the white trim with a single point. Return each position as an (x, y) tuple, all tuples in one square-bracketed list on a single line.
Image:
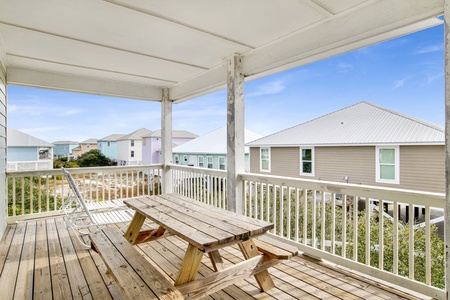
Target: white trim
[(224, 162), (203, 161), (312, 174), (397, 164), (269, 160), (212, 162)]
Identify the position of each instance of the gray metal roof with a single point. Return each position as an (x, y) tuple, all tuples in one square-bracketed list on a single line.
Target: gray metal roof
[(112, 137), (175, 134), (361, 124), (65, 143), (136, 135), (89, 141), (133, 49), (20, 139), (214, 142)]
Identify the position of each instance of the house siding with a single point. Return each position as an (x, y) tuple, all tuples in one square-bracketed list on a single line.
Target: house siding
[(109, 151), (421, 167), (3, 194), (22, 154)]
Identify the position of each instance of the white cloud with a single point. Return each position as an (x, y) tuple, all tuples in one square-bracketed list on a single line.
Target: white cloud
[(344, 68), (429, 49), (431, 78), (40, 129), (269, 88), (401, 82)]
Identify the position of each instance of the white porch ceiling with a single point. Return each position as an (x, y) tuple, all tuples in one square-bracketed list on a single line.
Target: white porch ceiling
[(134, 48)]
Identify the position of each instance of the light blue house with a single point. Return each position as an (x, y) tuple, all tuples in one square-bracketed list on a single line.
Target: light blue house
[(108, 145), (210, 150), (63, 148), (27, 153)]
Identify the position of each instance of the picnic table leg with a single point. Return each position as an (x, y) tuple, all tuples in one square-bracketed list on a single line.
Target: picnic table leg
[(265, 282), (133, 229), (216, 260), (190, 265)]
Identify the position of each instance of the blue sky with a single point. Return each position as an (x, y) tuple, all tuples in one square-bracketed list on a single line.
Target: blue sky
[(405, 74)]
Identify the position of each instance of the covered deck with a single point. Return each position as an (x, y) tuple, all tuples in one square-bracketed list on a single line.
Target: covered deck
[(41, 259)]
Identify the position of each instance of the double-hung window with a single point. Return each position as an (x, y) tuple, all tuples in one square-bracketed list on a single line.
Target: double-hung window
[(132, 143), (222, 163), (210, 162), (265, 159), (201, 161), (307, 161), (388, 164), (132, 153), (177, 159)]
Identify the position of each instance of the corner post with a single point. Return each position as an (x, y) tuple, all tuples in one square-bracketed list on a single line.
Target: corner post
[(166, 141), (447, 146), (235, 134)]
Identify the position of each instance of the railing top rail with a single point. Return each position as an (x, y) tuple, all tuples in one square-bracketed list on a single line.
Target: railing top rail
[(204, 171), (82, 170), (376, 192)]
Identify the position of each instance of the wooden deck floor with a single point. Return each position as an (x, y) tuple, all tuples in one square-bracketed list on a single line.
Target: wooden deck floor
[(42, 260)]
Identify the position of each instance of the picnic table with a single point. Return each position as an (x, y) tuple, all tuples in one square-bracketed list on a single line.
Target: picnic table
[(207, 229)]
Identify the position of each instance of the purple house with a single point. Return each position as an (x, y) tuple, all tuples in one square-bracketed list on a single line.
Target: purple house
[(151, 144)]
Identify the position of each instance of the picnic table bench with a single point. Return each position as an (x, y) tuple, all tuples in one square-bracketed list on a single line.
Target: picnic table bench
[(207, 229)]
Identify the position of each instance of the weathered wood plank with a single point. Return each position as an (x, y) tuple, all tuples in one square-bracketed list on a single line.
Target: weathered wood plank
[(10, 269), (5, 244), (190, 265), (60, 281), (42, 278), (24, 287), (133, 229), (216, 260), (79, 286), (136, 276)]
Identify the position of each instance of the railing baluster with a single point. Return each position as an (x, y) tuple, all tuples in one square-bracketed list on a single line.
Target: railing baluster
[(410, 208), (314, 219), (355, 227), (288, 219), (380, 235), (333, 223), (305, 217), (368, 214), (395, 236), (282, 187), (297, 214), (323, 222), (427, 246)]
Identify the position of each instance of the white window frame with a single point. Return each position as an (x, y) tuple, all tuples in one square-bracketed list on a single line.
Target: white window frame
[(397, 164), (313, 165), (132, 143), (132, 153), (177, 159), (261, 160), (212, 162), (201, 160), (224, 164)]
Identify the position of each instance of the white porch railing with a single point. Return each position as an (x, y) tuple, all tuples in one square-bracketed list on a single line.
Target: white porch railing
[(29, 165), (326, 220), (40, 193)]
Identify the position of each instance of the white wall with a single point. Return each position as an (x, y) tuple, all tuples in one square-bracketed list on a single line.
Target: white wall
[(3, 191)]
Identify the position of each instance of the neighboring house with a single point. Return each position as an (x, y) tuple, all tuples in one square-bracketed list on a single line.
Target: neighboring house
[(63, 148), (151, 144), (108, 145), (210, 150), (27, 153), (129, 148), (84, 147), (361, 144)]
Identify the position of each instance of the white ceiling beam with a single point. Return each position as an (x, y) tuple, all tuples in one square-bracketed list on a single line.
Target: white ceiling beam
[(46, 80), (319, 8), (340, 34)]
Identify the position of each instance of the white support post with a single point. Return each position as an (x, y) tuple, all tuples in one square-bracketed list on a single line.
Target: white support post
[(166, 141), (447, 146), (235, 134)]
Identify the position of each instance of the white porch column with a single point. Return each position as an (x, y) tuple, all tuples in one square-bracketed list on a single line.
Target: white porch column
[(3, 185), (235, 134), (447, 146), (166, 141)]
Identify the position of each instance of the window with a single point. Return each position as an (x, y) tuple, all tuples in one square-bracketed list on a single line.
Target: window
[(177, 159), (109, 144), (132, 153), (201, 162), (307, 161), (210, 162), (185, 158), (222, 163), (265, 159), (388, 164), (132, 143), (144, 142)]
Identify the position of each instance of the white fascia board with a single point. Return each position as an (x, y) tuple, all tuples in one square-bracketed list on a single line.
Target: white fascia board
[(47, 80), (343, 145)]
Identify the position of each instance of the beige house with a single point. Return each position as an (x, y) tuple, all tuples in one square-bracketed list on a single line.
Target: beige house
[(361, 144), (84, 147)]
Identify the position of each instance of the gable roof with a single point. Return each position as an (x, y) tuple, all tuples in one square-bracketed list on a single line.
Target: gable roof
[(89, 141), (112, 137), (20, 139), (136, 135), (65, 143), (175, 134), (214, 142), (360, 124)]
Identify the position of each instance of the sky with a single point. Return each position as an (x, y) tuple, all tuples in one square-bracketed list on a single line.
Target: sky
[(404, 74)]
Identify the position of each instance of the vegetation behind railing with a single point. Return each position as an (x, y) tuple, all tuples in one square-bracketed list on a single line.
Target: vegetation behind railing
[(40, 193)]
